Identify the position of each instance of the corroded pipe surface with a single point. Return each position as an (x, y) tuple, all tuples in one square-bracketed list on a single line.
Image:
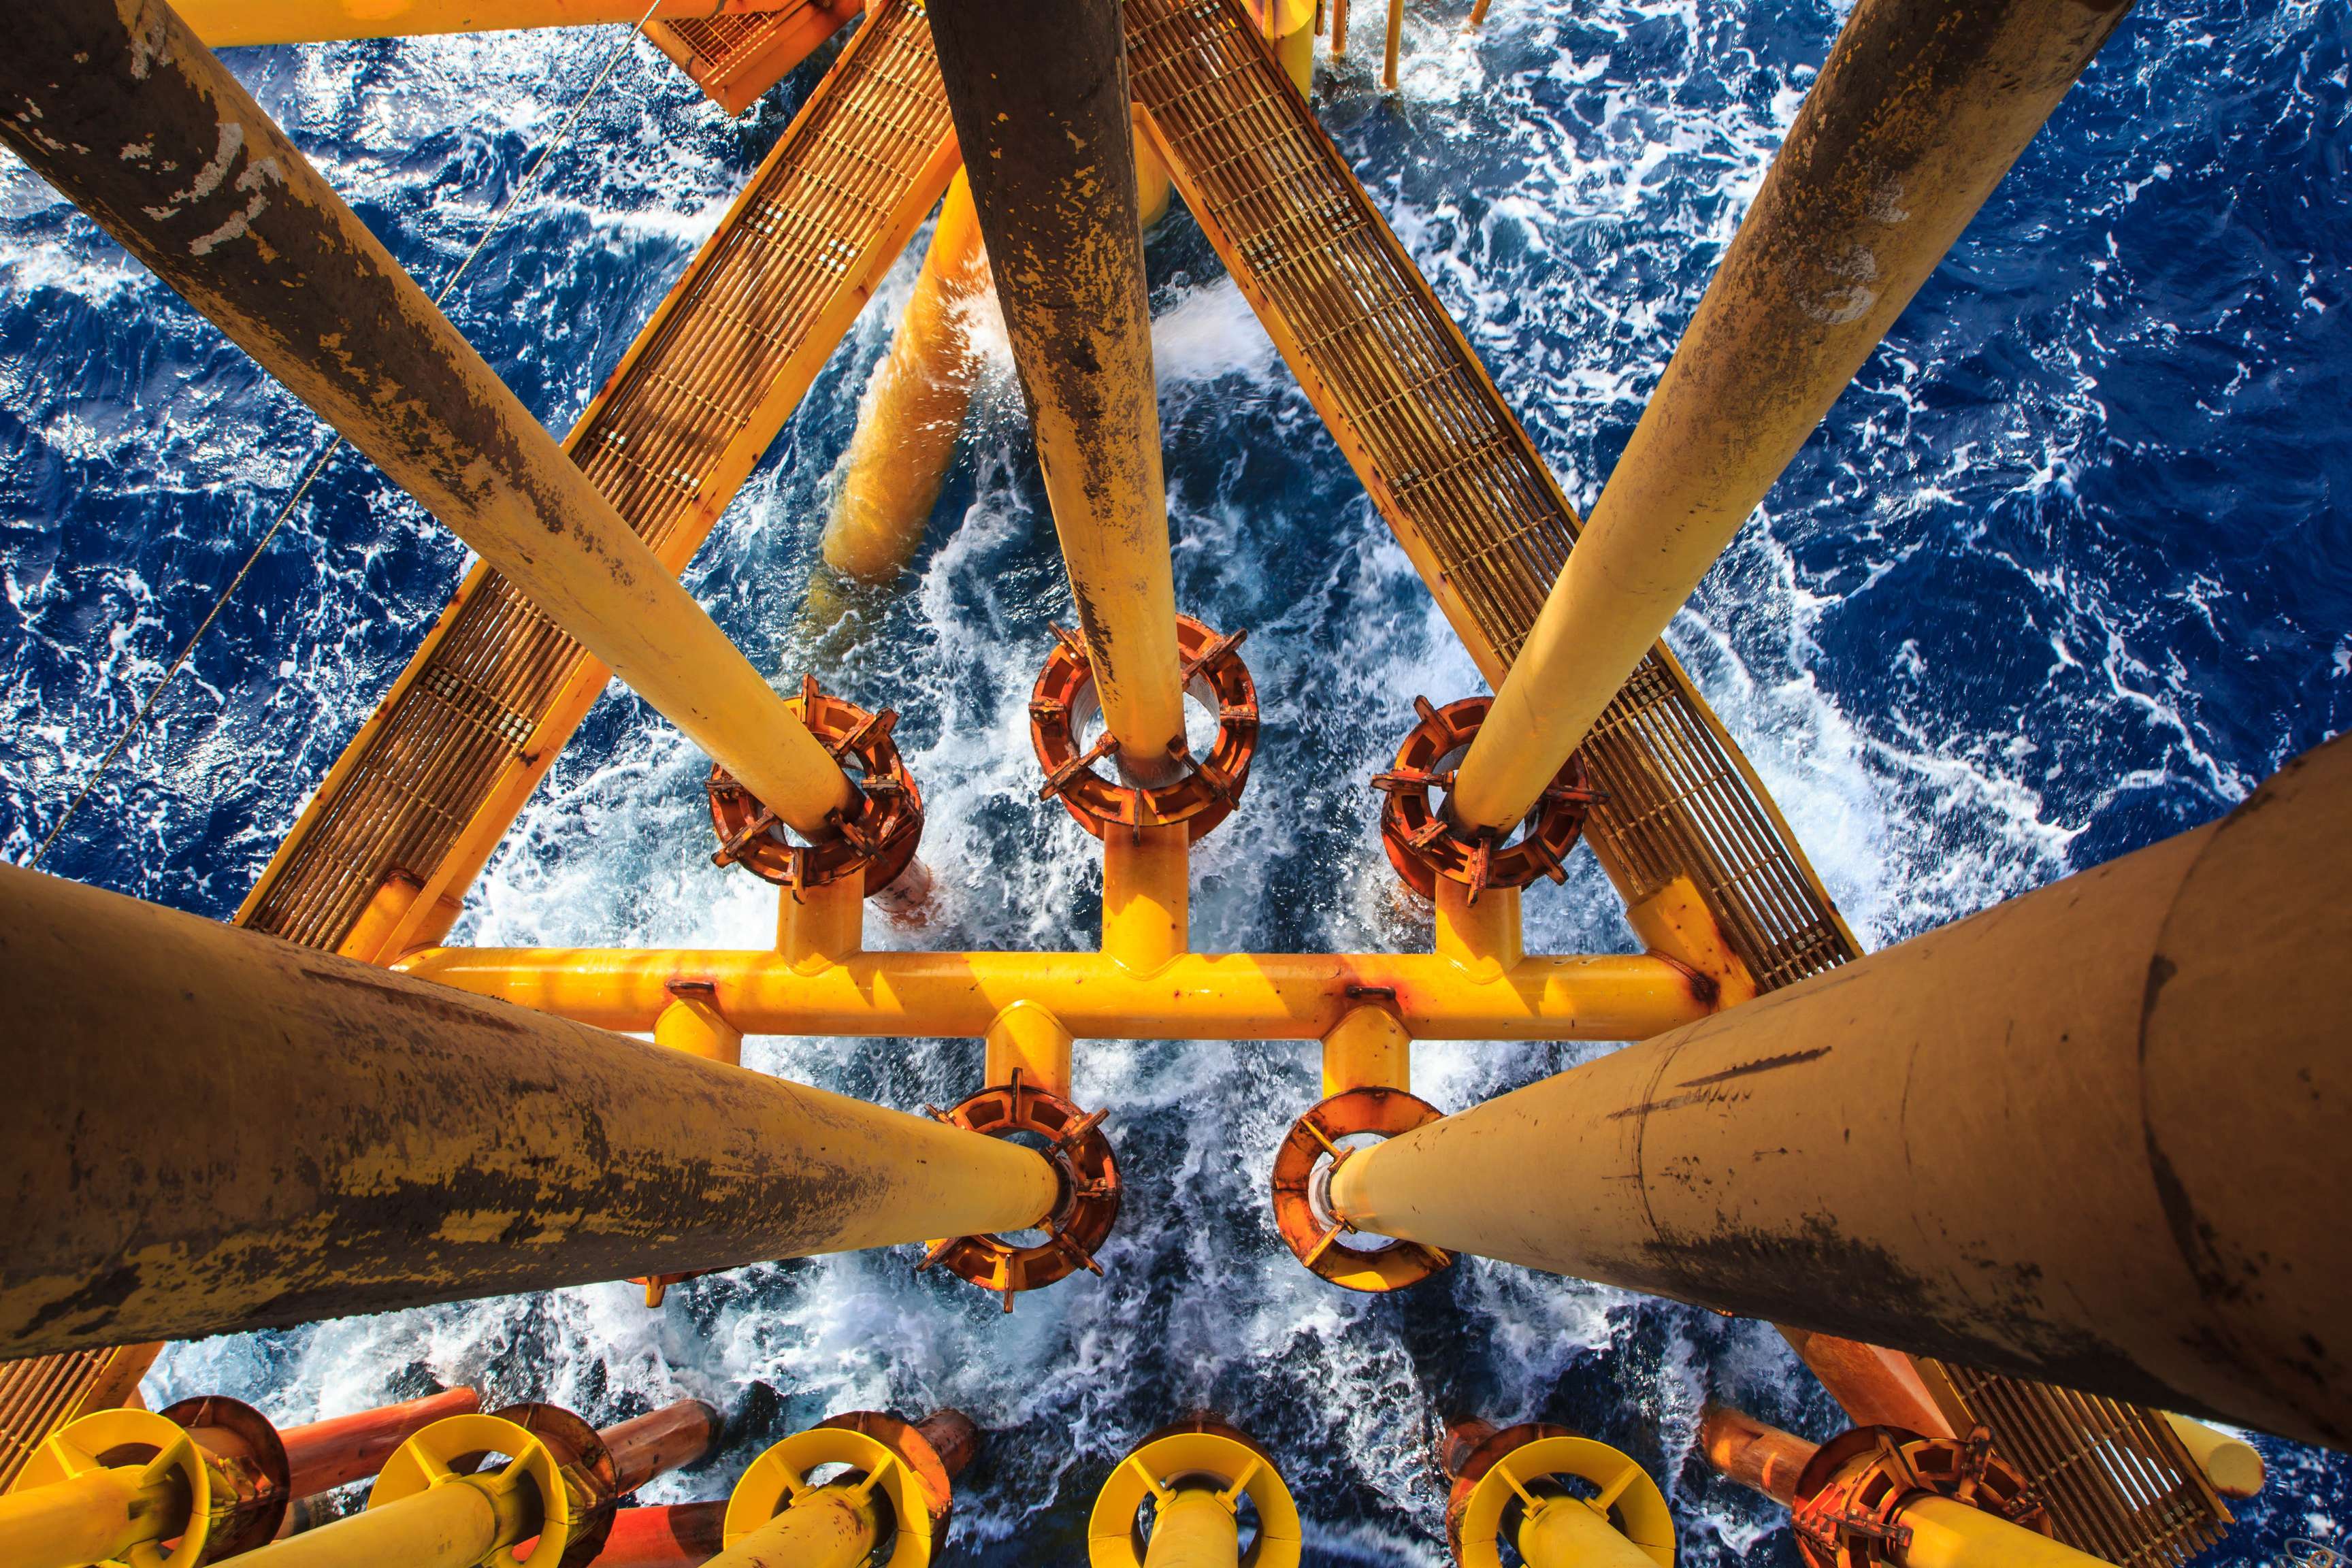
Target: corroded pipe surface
[(2056, 1139), (210, 1130), (660, 1441), (223, 23), (1234, 996), (683, 1535), (1760, 1457), (1922, 107), (121, 109), (1040, 99), (323, 1455), (954, 1437)]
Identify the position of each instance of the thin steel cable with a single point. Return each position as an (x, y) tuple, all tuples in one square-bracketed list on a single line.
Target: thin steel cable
[(497, 220)]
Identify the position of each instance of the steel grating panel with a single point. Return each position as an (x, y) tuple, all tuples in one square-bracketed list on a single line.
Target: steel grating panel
[(737, 57), (670, 439), (41, 1393), (1451, 468), (1456, 477), (2117, 1481)]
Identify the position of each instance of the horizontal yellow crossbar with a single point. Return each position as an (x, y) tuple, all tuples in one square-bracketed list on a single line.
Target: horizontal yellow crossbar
[(1239, 997)]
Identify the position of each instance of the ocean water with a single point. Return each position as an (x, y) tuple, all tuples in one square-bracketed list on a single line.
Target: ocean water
[(2069, 569)]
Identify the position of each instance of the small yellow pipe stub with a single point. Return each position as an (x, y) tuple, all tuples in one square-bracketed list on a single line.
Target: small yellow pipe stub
[(1369, 1050), (1028, 1039)]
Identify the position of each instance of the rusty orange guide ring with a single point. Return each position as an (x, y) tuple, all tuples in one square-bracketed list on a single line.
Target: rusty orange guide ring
[(1850, 1490), (1422, 845), (592, 1480), (878, 834), (1082, 1218), (252, 1482), (1314, 1235), (1065, 701)]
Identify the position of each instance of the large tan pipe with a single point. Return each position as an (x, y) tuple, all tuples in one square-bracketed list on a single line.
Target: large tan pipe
[(209, 1130), (2093, 1136), (224, 23), (120, 106), (1039, 95), (1922, 107)]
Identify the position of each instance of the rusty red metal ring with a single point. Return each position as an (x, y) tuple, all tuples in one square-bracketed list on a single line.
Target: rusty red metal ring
[(1856, 1483), (1081, 1221), (1424, 845), (1495, 1446), (1065, 700), (590, 1474), (880, 833), (251, 1460), (1310, 1238)]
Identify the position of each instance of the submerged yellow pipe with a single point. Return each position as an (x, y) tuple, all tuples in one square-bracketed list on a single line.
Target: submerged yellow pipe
[(1231, 996), (914, 414), (226, 24), (907, 431)]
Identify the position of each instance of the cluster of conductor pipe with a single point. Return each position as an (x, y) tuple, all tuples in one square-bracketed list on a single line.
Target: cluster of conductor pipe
[(211, 1479)]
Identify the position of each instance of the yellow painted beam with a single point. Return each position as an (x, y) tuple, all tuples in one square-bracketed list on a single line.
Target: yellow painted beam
[(1233, 996), (224, 24)]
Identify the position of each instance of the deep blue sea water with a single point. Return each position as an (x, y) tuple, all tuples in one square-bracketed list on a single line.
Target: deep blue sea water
[(2068, 569)]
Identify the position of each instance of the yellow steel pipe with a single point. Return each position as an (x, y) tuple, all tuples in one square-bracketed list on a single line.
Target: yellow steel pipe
[(457, 1524), (1922, 107), (1563, 1532), (907, 429), (98, 1516), (1230, 996), (1041, 106), (1147, 894), (1193, 1527), (2050, 1140), (831, 1527), (149, 133), (2233, 1465), (209, 1130), (223, 24)]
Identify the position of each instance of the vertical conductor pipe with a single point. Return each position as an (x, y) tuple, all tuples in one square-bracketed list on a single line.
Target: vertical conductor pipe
[(1192, 1527), (1853, 1154), (121, 107), (1040, 101), (1922, 107), (210, 1130)]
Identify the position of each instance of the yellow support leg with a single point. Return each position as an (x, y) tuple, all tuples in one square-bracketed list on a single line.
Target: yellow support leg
[(1369, 1050), (1028, 1039), (1147, 895)]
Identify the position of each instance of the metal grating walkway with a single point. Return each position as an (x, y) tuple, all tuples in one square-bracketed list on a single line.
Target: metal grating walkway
[(1475, 506), (437, 776), (42, 1393), (737, 57), (2116, 1477), (1451, 470)]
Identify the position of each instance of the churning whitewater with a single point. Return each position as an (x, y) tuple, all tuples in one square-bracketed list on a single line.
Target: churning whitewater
[(2068, 569)]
